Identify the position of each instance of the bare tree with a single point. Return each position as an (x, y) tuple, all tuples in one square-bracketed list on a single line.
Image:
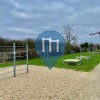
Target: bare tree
[(67, 32), (74, 40), (69, 37)]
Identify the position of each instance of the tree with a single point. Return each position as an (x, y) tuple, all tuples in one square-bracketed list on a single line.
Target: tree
[(67, 33), (69, 37), (74, 40)]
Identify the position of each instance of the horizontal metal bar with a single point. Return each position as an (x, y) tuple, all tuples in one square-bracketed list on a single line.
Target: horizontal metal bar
[(6, 46), (12, 46), (12, 52), (12, 57), (21, 52), (20, 56), (21, 46), (6, 52), (5, 57)]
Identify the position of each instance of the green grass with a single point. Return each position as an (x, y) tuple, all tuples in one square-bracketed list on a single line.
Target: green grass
[(85, 66)]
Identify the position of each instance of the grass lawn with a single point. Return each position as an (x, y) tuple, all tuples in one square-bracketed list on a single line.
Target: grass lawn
[(85, 66)]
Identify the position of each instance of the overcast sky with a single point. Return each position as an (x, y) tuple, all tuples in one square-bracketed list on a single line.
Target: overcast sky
[(27, 18)]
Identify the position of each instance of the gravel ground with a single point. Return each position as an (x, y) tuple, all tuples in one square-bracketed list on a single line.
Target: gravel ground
[(44, 84)]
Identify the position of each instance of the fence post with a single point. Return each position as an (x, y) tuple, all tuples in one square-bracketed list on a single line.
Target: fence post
[(27, 57), (14, 59)]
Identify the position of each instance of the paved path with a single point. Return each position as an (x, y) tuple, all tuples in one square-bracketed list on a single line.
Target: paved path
[(96, 74)]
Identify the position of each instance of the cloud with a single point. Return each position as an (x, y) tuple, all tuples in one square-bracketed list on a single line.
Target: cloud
[(25, 15), (21, 15), (46, 27), (14, 3), (23, 18), (23, 30)]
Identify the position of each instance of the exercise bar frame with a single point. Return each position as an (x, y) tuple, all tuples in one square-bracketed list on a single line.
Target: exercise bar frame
[(14, 59), (14, 52)]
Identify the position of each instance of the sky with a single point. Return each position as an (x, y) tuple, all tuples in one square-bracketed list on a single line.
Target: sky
[(20, 19)]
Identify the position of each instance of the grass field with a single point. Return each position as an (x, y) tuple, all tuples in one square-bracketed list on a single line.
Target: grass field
[(85, 66)]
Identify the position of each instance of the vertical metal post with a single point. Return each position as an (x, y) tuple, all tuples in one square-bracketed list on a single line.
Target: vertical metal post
[(89, 50), (27, 57), (14, 59), (80, 51)]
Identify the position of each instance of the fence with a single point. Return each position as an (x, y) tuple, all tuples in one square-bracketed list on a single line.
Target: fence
[(11, 54)]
